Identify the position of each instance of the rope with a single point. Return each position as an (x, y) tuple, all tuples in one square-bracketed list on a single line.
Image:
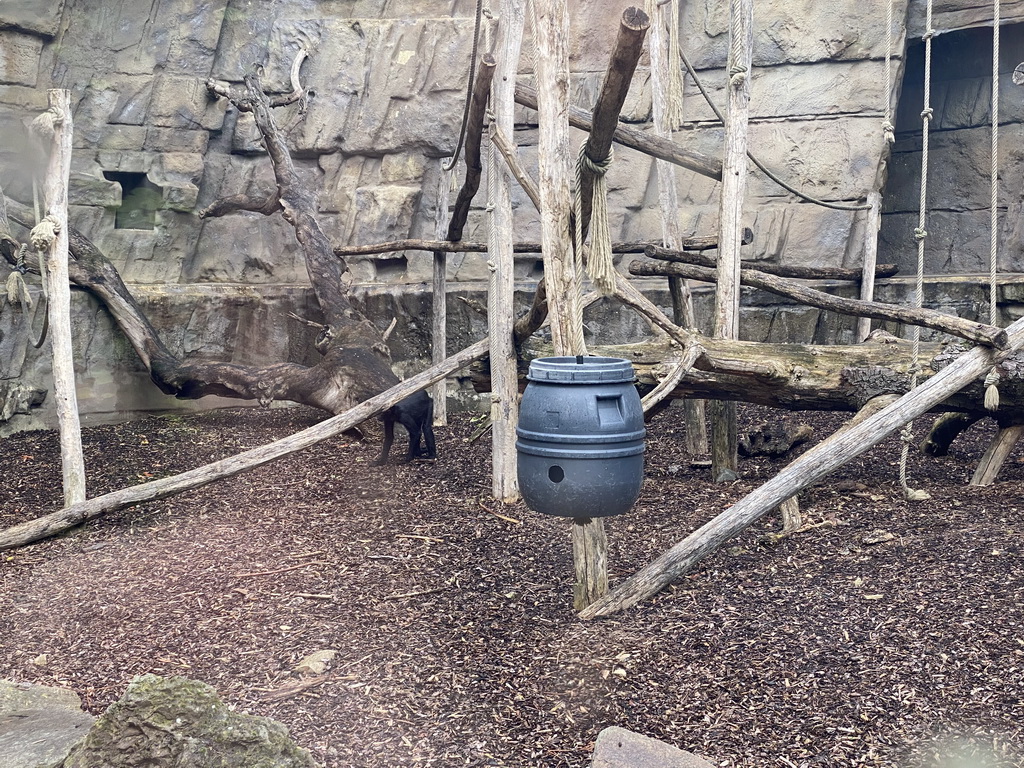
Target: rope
[(920, 234), (469, 86), (992, 380), (888, 129), (738, 73), (600, 264)]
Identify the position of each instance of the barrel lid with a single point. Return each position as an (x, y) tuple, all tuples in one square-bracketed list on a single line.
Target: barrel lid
[(581, 370)]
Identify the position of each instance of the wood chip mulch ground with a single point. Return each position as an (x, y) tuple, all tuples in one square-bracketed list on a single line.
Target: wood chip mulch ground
[(892, 634)]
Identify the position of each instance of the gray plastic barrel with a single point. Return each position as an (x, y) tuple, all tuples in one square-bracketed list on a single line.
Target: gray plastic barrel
[(581, 437)]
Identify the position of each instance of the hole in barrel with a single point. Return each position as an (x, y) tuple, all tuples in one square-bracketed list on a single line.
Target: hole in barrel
[(556, 474)]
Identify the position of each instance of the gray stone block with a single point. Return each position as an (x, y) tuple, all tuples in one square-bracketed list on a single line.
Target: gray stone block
[(621, 748), (39, 726), (19, 57)]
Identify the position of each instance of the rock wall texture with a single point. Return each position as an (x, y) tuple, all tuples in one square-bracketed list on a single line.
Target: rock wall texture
[(387, 84)]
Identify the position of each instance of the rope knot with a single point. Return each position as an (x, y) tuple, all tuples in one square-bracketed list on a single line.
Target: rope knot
[(920, 233), (889, 131), (45, 232), (992, 388), (737, 75), (45, 123), (927, 113), (600, 264)]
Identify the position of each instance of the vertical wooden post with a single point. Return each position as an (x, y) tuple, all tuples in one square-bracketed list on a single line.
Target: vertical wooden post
[(500, 314), (668, 199), (730, 222), (439, 329), (550, 31), (55, 196), (872, 223)]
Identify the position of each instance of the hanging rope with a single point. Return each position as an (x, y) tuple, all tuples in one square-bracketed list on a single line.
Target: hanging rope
[(888, 129), (740, 73), (600, 263), (907, 435), (992, 379), (469, 86)]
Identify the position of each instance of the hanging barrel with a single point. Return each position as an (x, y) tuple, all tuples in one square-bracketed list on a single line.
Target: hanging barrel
[(581, 437)]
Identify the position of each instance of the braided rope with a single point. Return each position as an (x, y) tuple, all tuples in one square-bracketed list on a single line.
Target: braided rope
[(992, 380), (920, 234), (888, 129), (600, 263)]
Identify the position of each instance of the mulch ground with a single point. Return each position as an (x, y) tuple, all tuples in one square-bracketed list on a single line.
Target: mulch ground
[(451, 614)]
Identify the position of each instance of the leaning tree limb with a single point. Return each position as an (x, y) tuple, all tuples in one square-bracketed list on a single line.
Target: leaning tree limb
[(981, 333), (75, 514), (807, 469)]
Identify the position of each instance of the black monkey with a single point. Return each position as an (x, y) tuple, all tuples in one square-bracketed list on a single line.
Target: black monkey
[(416, 414)]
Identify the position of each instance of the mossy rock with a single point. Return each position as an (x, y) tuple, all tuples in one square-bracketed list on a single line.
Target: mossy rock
[(173, 722)]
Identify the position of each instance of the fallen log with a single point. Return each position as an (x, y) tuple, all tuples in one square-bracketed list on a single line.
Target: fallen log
[(799, 377), (807, 469), (988, 335), (75, 514)]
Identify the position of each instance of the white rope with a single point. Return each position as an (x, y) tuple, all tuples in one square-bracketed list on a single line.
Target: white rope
[(920, 234), (888, 129), (992, 380), (600, 263)]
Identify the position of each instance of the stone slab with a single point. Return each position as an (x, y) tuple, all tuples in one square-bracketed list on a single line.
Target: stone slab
[(19, 57), (621, 748), (39, 726)]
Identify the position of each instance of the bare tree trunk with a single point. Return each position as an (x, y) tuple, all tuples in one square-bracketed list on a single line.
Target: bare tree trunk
[(724, 464), (55, 195)]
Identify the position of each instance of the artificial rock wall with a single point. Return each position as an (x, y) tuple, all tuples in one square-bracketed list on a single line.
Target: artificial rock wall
[(387, 83)]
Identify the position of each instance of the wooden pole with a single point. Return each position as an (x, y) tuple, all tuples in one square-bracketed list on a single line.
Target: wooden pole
[(668, 199), (807, 469), (989, 335), (873, 221), (55, 196), (992, 461), (439, 324), (460, 214), (637, 139), (501, 288), (551, 31), (724, 461)]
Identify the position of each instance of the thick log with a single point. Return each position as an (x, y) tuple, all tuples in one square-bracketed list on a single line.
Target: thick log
[(808, 468), (78, 513), (955, 326), (687, 256), (800, 377), (636, 139), (55, 195)]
